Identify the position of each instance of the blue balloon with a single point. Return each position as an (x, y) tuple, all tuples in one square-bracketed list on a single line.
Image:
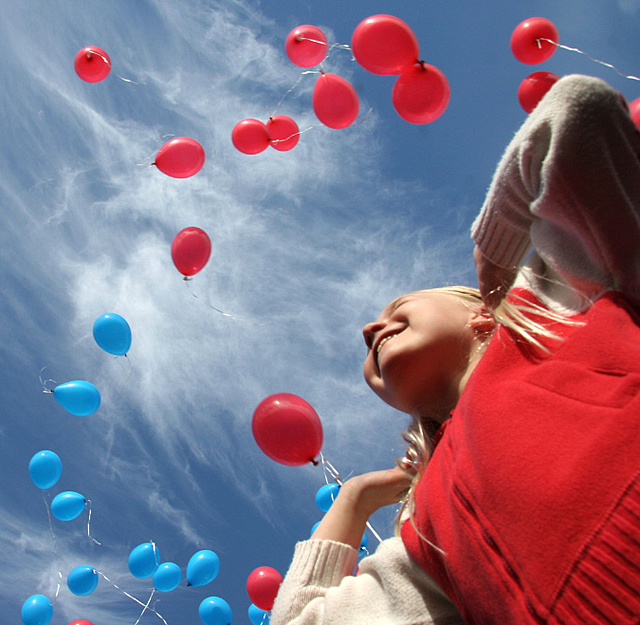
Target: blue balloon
[(203, 568), (258, 616), (314, 528), (215, 611), (167, 577), (45, 469), (82, 581), (144, 560), (326, 496), (37, 610), (364, 545), (68, 505), (113, 334), (78, 397)]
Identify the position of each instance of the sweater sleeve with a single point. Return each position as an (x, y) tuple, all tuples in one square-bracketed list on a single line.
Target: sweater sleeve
[(389, 588), (568, 185)]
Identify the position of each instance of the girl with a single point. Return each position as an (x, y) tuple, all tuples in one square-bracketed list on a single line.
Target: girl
[(528, 510)]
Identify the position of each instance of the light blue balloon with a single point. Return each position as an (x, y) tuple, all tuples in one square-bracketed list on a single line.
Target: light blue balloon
[(80, 398), (144, 560), (83, 580), (45, 469), (326, 496), (37, 610), (167, 577), (112, 333), (68, 505), (215, 611), (314, 528), (203, 568), (258, 616)]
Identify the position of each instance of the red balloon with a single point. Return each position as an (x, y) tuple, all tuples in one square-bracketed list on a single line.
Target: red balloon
[(335, 101), (421, 94), (262, 587), (92, 64), (526, 43), (283, 132), (384, 45), (533, 88), (190, 250), (80, 622), (250, 136), (287, 429), (181, 157), (306, 46), (634, 109)]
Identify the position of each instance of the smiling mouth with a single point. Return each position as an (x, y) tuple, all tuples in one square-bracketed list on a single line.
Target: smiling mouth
[(379, 347)]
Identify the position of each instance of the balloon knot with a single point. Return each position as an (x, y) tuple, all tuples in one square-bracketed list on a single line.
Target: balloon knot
[(188, 584), (47, 390), (314, 462)]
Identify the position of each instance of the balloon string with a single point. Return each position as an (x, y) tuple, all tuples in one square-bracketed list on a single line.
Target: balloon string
[(44, 382), (55, 546), (555, 43), (327, 467), (89, 525), (251, 323), (108, 62), (295, 134), (144, 606)]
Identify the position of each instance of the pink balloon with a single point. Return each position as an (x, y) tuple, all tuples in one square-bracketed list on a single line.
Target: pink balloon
[(181, 157), (92, 64), (283, 132), (533, 88), (190, 250), (80, 622), (287, 429), (384, 45), (421, 94), (634, 109), (526, 43), (306, 46), (335, 101), (262, 587), (250, 136)]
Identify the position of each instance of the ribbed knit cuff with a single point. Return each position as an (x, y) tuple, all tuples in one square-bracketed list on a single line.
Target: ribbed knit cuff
[(498, 240), (323, 562)]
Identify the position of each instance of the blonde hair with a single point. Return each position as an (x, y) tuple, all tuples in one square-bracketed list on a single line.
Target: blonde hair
[(528, 322)]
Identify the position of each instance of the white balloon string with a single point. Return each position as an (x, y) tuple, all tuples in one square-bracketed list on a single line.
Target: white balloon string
[(89, 524), (295, 134), (55, 545), (44, 382), (145, 606), (559, 45), (108, 62), (187, 281), (327, 467)]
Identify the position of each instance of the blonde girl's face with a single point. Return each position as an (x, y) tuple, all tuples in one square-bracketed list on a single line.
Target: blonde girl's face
[(418, 352)]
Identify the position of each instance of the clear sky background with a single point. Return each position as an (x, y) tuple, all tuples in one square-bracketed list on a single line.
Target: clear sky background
[(311, 243)]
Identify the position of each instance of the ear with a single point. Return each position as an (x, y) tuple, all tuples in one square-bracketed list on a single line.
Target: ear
[(482, 322)]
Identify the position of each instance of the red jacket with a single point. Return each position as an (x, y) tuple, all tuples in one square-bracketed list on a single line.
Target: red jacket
[(533, 492)]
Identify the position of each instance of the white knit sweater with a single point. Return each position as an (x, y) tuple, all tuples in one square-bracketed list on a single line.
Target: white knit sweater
[(568, 185), (389, 589)]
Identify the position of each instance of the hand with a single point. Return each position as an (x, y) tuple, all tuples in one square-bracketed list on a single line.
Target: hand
[(357, 500), (372, 491), (494, 281)]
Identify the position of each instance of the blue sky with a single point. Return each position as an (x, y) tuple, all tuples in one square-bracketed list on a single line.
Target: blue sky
[(310, 244)]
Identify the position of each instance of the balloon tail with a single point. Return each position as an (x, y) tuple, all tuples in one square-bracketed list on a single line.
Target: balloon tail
[(89, 525), (251, 323), (559, 45), (295, 134)]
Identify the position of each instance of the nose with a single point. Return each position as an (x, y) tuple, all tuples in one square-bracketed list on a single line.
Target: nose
[(369, 332)]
